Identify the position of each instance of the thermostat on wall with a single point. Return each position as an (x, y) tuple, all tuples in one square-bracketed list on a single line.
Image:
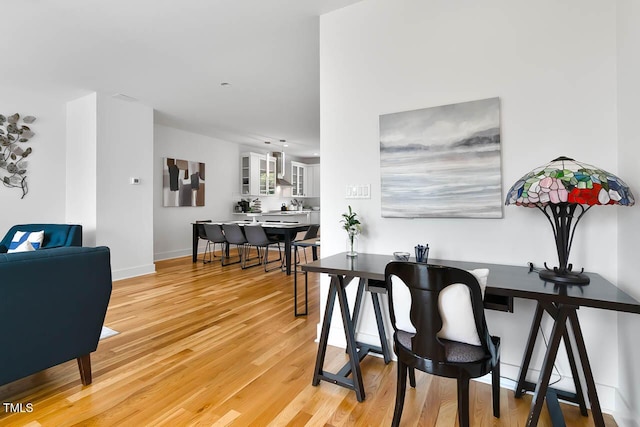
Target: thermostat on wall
[(134, 181)]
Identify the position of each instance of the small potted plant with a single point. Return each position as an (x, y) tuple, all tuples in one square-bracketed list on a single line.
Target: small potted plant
[(353, 227)]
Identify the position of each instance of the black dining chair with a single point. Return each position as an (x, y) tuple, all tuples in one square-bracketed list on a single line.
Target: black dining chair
[(201, 233), (421, 348), (214, 235), (234, 236), (257, 237)]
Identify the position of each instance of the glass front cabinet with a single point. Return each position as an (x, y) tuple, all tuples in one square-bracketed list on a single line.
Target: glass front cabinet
[(298, 179), (257, 174)]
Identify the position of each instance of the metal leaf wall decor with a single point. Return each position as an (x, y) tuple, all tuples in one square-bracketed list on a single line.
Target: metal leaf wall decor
[(13, 137)]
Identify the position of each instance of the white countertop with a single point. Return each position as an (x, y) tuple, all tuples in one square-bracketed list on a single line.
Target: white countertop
[(303, 212)]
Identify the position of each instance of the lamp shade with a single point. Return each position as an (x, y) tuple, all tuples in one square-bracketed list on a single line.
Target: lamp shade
[(564, 190), (565, 180)]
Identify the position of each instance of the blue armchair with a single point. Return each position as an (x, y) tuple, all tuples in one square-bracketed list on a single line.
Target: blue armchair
[(52, 305), (55, 235)]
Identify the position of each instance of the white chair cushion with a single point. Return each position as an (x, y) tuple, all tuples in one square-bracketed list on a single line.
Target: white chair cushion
[(454, 304)]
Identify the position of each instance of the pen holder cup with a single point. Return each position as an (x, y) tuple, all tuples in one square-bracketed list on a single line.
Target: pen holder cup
[(422, 253)]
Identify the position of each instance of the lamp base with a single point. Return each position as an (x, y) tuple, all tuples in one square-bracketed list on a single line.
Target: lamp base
[(567, 277)]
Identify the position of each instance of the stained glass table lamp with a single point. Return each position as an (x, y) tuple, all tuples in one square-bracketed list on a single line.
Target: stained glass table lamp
[(564, 190)]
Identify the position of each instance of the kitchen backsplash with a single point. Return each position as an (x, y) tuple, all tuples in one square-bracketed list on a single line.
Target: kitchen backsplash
[(274, 203)]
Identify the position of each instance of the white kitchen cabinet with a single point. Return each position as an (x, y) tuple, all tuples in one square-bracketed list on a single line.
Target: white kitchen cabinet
[(312, 175), (298, 179), (257, 174)]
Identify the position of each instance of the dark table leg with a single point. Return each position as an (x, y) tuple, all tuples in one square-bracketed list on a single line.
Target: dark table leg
[(526, 359), (352, 368), (194, 241), (352, 350), (318, 372), (596, 411), (386, 352), (287, 252), (547, 366)]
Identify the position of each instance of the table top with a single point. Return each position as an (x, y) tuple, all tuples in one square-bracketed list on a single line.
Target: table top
[(504, 280), (266, 224)]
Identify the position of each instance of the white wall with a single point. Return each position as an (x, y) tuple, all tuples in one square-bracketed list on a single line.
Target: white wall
[(109, 141), (553, 65), (82, 141), (45, 201), (628, 219), (172, 225), (124, 220)]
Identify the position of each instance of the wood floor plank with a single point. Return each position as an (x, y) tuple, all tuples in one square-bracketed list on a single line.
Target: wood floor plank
[(206, 345)]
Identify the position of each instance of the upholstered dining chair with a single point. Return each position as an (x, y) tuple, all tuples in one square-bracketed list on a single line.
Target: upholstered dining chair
[(234, 236), (202, 235), (416, 341), (214, 235), (256, 236)]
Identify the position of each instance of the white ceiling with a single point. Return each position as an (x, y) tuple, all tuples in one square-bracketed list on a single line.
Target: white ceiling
[(173, 55)]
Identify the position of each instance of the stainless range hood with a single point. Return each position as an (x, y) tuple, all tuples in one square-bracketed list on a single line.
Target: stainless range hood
[(280, 168)]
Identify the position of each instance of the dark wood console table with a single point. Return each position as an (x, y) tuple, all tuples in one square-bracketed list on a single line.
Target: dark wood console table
[(505, 282)]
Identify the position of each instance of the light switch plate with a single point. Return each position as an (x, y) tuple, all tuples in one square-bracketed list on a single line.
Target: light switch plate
[(358, 191)]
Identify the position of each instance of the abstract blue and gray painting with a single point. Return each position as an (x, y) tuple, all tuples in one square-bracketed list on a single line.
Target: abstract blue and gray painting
[(442, 161)]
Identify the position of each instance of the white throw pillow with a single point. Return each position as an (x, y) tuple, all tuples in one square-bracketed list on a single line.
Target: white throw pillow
[(454, 304), (24, 241)]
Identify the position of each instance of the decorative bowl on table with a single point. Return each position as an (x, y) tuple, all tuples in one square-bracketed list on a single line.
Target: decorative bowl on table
[(401, 256)]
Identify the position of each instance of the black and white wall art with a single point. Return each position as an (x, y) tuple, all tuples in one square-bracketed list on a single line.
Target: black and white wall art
[(182, 182), (442, 161)]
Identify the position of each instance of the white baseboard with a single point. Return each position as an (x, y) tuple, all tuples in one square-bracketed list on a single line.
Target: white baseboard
[(133, 272), (174, 254), (625, 415)]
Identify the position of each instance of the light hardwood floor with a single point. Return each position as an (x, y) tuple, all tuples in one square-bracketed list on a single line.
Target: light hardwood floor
[(211, 345)]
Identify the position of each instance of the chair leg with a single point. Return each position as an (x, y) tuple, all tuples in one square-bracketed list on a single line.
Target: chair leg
[(400, 392), (247, 252), (213, 250), (463, 401), (266, 259), (206, 250), (495, 388), (84, 365), (412, 377)]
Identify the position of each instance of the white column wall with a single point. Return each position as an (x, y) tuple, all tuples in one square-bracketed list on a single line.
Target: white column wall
[(80, 207), (628, 404), (124, 219), (553, 66)]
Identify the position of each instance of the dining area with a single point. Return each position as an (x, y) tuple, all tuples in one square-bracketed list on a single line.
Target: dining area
[(245, 235)]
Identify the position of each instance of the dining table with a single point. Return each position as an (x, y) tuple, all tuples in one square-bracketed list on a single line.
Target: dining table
[(287, 230)]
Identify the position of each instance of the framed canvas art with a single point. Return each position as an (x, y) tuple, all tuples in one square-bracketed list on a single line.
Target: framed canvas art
[(442, 161), (182, 182)]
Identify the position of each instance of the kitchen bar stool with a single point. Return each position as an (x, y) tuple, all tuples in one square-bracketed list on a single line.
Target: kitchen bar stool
[(304, 244)]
